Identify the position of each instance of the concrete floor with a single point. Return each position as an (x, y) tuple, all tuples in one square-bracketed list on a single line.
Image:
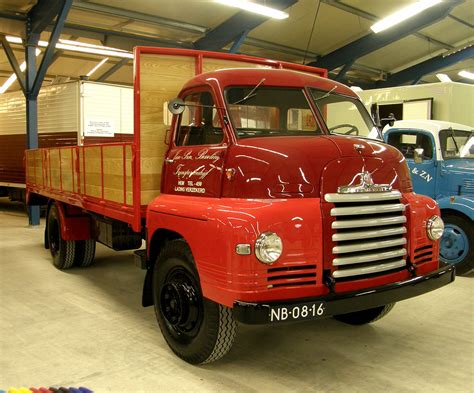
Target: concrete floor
[(86, 327)]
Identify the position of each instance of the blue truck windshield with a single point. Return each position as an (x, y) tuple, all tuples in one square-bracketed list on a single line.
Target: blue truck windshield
[(456, 144)]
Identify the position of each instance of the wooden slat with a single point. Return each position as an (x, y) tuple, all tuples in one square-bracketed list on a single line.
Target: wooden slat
[(219, 64), (93, 176), (161, 79), (128, 168)]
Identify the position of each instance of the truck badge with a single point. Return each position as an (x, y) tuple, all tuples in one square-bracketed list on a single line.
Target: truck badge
[(366, 184)]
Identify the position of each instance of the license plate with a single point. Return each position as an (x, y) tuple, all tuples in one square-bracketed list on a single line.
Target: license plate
[(297, 312)]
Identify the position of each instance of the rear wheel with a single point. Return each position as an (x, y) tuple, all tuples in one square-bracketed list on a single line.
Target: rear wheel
[(365, 316), (456, 245), (197, 330), (62, 251), (85, 253)]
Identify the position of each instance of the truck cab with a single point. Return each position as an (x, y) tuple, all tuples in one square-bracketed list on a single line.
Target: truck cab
[(440, 156)]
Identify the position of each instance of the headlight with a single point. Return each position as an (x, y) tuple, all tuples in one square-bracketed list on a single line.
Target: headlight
[(435, 228), (268, 247)]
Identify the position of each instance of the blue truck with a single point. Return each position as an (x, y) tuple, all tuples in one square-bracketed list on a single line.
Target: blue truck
[(440, 156)]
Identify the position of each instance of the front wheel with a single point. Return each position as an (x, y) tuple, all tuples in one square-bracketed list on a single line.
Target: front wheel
[(197, 330), (365, 316), (456, 244)]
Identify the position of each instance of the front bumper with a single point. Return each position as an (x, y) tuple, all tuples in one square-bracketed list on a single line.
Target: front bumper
[(335, 304)]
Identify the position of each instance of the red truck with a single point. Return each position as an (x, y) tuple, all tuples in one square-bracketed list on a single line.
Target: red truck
[(252, 209)]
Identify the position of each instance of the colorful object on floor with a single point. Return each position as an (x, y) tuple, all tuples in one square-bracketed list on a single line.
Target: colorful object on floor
[(48, 390)]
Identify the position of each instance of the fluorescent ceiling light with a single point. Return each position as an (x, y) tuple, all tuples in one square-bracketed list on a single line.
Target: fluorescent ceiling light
[(83, 49), (356, 89), (443, 78), (403, 14), (466, 74), (80, 47), (255, 8), (16, 40), (97, 66), (86, 45), (13, 76)]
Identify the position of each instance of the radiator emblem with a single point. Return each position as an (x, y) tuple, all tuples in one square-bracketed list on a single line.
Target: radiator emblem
[(366, 184)]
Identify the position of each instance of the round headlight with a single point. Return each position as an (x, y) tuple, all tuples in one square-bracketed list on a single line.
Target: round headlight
[(268, 247), (435, 228)]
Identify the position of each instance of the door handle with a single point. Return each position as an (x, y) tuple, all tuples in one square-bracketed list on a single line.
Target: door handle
[(169, 160)]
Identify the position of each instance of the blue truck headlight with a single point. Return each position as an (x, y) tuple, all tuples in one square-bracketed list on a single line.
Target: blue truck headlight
[(435, 228), (268, 247)]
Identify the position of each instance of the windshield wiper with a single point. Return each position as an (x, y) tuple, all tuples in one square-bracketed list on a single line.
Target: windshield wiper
[(327, 94), (454, 139), (250, 94)]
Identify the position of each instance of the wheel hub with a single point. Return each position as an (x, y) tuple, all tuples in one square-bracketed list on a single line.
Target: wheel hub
[(454, 244), (54, 237), (180, 304)]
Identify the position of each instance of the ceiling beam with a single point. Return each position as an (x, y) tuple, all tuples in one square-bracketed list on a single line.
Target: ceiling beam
[(462, 21), (231, 29), (13, 62), (372, 17), (238, 42), (112, 70), (138, 16), (429, 66), (372, 41), (60, 14), (43, 14)]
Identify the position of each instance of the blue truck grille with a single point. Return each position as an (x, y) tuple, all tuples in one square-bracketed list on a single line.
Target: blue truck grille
[(468, 185)]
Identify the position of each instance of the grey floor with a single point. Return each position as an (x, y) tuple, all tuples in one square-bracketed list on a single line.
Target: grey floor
[(86, 327)]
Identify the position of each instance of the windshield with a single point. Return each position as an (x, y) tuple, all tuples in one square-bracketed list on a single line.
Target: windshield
[(344, 115), (269, 111), (456, 144)]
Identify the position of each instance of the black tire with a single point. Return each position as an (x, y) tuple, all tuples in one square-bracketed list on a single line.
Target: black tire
[(197, 330), (466, 225), (62, 251), (85, 253), (365, 316)]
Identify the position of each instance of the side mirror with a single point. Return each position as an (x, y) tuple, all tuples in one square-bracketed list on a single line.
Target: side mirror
[(390, 120), (418, 155), (176, 106)]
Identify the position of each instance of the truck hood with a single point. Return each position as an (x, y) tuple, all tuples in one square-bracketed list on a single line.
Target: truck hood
[(460, 165), (291, 167), (460, 176)]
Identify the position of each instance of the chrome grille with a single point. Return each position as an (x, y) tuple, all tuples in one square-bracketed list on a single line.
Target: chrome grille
[(368, 233)]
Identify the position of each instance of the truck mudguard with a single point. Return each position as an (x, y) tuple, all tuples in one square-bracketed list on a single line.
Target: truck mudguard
[(462, 204)]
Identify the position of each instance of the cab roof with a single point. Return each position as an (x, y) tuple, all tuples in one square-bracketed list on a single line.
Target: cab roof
[(273, 77), (433, 126)]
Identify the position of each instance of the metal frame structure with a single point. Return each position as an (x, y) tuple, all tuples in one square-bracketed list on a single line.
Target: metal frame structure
[(372, 41), (39, 17)]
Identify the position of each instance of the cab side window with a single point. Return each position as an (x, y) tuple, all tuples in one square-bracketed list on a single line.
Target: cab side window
[(199, 123), (408, 142)]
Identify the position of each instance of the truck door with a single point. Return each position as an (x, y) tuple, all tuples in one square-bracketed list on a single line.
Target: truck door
[(423, 175), (195, 161)]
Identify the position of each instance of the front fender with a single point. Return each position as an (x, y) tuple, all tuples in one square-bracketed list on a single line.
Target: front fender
[(213, 227), (423, 252), (462, 204)]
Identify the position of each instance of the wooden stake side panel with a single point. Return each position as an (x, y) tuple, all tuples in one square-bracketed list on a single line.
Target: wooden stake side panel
[(161, 79), (103, 172)]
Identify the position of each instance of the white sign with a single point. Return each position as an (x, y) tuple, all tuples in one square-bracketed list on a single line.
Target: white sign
[(99, 127)]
